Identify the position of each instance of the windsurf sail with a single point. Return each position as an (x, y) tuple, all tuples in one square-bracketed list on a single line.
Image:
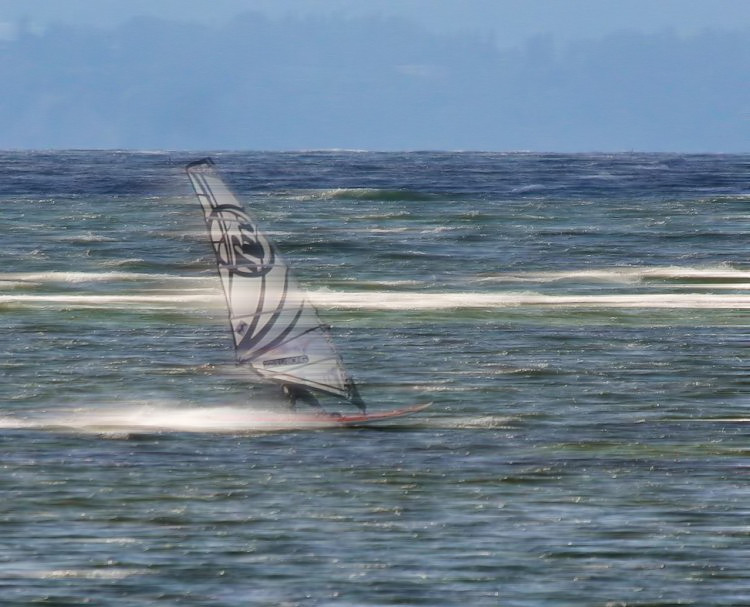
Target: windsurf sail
[(277, 332)]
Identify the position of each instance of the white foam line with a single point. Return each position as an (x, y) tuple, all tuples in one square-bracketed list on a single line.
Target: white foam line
[(108, 573), (410, 300), (711, 420), (622, 274), (436, 301), (147, 418), (737, 286), (99, 300), (77, 277)]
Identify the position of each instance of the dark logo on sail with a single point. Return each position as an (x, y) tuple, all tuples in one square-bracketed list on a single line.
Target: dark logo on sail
[(240, 248), (289, 360)]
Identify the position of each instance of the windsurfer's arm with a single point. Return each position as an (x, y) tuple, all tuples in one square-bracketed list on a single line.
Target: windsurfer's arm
[(289, 392)]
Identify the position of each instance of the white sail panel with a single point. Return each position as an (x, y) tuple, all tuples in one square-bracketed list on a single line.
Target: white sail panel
[(275, 329)]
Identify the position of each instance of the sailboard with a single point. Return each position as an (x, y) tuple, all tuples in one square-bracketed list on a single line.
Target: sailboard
[(361, 419), (276, 330)]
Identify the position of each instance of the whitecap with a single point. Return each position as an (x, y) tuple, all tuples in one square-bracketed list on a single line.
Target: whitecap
[(124, 420), (623, 275), (170, 300), (404, 300)]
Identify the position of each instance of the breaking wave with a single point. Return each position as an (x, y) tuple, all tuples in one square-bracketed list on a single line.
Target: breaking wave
[(436, 301), (628, 275), (366, 194), (96, 301), (84, 277), (720, 287), (123, 421), (400, 300)]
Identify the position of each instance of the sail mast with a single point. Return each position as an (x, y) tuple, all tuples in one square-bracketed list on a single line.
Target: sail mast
[(276, 330)]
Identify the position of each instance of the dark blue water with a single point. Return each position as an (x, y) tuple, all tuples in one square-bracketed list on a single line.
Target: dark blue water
[(580, 323)]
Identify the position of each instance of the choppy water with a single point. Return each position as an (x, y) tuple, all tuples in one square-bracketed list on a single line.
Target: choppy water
[(581, 324)]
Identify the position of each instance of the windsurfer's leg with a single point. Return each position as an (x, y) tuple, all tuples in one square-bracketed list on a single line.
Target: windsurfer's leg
[(291, 396), (295, 393), (309, 399)]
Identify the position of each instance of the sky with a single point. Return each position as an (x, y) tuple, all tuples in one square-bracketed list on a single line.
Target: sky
[(512, 21), (654, 75)]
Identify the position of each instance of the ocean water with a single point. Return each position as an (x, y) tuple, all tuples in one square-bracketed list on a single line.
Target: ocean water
[(581, 324)]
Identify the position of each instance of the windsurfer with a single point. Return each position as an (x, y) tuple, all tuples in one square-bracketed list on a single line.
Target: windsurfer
[(294, 393)]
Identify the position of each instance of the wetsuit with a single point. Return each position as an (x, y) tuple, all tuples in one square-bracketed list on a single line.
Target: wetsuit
[(295, 393)]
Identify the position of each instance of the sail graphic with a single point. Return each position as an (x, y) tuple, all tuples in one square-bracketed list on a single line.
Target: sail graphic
[(276, 330)]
